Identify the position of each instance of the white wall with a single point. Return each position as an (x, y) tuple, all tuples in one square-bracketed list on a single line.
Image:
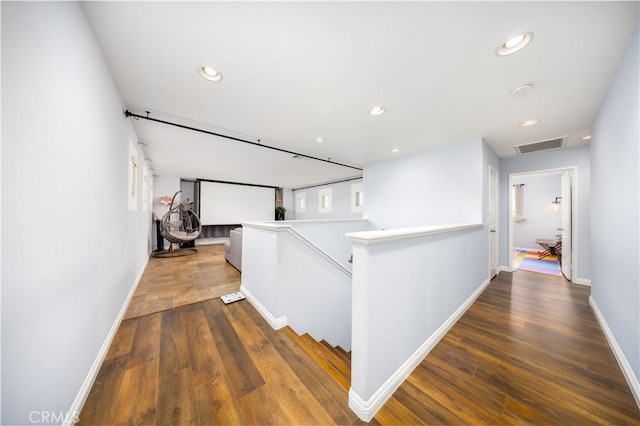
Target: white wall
[(288, 202), (331, 236), (341, 209), (436, 187), (578, 157), (615, 212), (72, 250), (260, 259), (406, 294), (292, 282), (542, 216)]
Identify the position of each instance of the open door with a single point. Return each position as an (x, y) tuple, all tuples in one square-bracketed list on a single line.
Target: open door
[(565, 219), (492, 221)]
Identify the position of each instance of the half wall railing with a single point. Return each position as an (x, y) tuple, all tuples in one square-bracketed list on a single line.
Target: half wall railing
[(409, 287), (293, 281)]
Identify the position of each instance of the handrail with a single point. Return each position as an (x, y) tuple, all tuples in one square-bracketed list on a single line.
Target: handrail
[(277, 227), (318, 250), (369, 238)]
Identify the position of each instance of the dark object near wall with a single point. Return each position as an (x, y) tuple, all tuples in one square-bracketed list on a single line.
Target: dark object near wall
[(280, 211), (217, 231), (159, 238)]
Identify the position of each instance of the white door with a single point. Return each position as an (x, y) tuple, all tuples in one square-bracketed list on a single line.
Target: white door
[(565, 219), (492, 221)]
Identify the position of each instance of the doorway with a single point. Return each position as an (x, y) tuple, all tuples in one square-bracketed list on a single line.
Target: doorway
[(493, 222), (546, 222)]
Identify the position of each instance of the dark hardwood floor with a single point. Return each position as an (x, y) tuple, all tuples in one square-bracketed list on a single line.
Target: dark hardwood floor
[(528, 351)]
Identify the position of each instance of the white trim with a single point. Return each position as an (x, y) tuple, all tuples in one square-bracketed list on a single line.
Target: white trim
[(581, 281), (623, 362), (275, 323), (327, 194), (356, 189), (300, 196), (284, 227), (505, 269), (270, 226), (496, 219), (73, 413), (285, 223), (369, 238), (366, 410)]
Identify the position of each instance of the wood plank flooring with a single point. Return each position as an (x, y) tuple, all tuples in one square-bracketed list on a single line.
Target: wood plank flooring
[(528, 351), (173, 282)]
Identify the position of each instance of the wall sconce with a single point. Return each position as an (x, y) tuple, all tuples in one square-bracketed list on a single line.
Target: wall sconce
[(557, 200)]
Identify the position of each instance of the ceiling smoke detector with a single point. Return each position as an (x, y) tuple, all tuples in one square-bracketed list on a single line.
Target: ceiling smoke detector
[(547, 145)]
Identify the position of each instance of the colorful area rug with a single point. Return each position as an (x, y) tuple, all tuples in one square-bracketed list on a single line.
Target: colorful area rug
[(528, 261)]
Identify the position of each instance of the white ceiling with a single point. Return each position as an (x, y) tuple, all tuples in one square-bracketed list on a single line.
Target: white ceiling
[(294, 71)]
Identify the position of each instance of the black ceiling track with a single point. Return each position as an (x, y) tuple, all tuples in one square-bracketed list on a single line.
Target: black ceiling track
[(128, 114), (328, 183)]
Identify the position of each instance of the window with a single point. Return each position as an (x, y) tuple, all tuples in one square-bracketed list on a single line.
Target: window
[(357, 198), (301, 202), (145, 187), (324, 200), (133, 177)]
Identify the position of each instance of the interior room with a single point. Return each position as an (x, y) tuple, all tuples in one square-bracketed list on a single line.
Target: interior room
[(537, 225), (342, 172)]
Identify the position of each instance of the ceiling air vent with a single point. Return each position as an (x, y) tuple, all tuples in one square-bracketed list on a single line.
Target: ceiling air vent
[(547, 145)]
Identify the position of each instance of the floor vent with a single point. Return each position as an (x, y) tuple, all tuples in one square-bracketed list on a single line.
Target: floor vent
[(547, 145)]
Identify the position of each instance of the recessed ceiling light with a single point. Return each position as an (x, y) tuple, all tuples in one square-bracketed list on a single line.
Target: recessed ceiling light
[(521, 89), (395, 150), (318, 140), (528, 123), (377, 110), (586, 138), (210, 74), (514, 44)]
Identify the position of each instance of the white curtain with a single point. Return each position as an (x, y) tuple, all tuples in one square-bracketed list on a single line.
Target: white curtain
[(517, 207)]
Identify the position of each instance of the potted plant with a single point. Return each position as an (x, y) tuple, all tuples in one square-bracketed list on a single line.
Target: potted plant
[(280, 212)]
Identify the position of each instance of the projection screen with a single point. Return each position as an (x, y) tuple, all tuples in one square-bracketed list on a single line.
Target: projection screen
[(229, 204)]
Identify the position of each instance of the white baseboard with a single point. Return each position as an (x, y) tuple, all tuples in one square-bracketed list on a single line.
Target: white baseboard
[(623, 362), (504, 269), (581, 281), (366, 410), (275, 323), (73, 413)]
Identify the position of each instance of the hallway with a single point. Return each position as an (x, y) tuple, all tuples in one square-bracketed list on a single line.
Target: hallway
[(529, 350)]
